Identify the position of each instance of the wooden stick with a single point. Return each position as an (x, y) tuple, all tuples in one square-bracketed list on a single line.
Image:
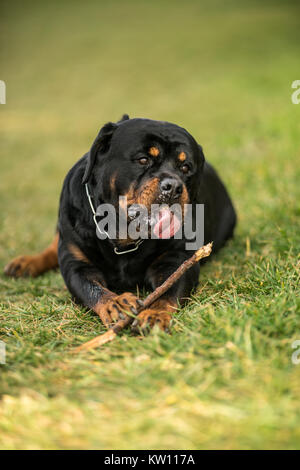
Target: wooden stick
[(203, 252)]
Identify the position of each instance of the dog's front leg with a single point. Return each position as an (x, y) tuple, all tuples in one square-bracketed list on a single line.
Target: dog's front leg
[(162, 309), (87, 285)]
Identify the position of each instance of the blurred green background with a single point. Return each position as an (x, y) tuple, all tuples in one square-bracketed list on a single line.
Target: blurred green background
[(223, 70)]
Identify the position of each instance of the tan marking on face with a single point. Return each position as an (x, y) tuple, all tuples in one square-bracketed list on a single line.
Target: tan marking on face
[(146, 196), (77, 253), (112, 183), (130, 198), (153, 151), (148, 193), (125, 202), (184, 200), (182, 156)]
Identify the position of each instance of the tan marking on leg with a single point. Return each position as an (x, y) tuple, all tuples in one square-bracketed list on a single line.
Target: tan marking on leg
[(159, 313), (110, 306), (77, 253), (34, 265)]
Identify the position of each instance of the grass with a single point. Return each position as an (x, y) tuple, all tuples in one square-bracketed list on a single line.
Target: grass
[(224, 378)]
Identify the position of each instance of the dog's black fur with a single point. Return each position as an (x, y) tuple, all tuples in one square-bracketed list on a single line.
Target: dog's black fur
[(119, 163)]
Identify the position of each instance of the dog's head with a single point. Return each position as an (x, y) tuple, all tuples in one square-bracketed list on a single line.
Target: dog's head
[(149, 162)]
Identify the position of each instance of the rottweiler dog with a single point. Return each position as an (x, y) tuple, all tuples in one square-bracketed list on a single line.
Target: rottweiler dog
[(147, 162)]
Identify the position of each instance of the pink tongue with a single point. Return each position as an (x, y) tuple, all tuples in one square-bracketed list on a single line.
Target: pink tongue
[(167, 225)]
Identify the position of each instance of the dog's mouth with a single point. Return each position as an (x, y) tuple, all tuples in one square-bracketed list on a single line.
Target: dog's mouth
[(163, 222), (167, 223), (147, 214)]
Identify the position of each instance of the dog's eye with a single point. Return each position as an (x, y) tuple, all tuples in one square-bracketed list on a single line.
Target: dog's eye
[(143, 161), (184, 168)]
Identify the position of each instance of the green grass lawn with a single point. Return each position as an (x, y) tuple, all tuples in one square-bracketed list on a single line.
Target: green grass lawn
[(224, 377)]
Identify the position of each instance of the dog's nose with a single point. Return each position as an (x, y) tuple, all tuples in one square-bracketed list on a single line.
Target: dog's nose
[(171, 187)]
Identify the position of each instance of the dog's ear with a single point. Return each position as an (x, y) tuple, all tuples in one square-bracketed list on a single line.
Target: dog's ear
[(125, 117), (195, 185), (100, 145), (201, 157)]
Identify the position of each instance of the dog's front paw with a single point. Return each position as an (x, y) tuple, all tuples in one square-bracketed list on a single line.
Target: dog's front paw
[(150, 317), (22, 266), (116, 308)]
